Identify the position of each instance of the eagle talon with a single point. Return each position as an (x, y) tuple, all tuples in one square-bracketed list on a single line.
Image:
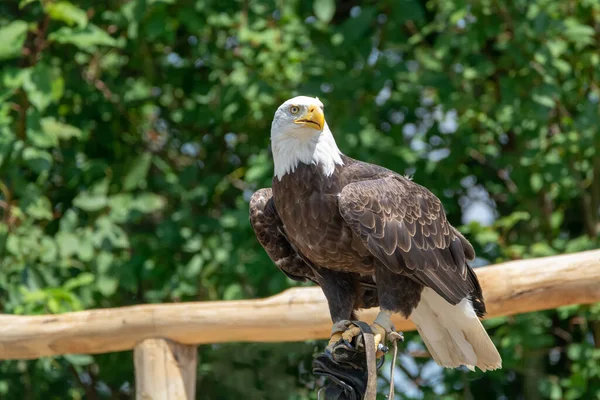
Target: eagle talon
[(343, 331), (335, 338), (351, 333)]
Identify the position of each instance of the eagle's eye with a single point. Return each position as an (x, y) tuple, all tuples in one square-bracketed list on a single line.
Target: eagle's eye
[(294, 109)]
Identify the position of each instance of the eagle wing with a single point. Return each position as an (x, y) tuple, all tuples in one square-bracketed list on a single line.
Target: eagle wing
[(269, 231), (405, 227)]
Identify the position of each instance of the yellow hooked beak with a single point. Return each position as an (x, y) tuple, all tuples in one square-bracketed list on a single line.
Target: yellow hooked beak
[(313, 118)]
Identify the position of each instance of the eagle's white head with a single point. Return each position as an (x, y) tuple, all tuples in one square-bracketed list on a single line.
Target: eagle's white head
[(299, 134)]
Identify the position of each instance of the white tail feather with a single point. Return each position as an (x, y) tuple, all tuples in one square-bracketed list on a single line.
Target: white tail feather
[(454, 335)]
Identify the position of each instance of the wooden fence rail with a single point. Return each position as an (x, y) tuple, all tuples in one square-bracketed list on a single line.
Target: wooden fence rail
[(296, 314)]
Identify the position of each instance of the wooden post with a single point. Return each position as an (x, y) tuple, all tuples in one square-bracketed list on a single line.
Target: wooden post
[(165, 370)]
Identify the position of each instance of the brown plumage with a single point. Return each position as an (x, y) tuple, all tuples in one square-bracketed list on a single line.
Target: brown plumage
[(369, 237), (270, 233), (361, 216)]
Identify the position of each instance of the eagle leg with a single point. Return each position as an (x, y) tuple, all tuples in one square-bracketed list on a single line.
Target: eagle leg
[(383, 323), (382, 328)]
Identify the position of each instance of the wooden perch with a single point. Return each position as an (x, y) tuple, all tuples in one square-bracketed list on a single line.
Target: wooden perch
[(296, 314)]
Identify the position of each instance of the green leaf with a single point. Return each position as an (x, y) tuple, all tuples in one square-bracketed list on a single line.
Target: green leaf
[(48, 250), (24, 3), (37, 160), (194, 267), (494, 322), (88, 201), (107, 232), (53, 305), (67, 243), (486, 236), (67, 12), (135, 10), (536, 182), (578, 33), (59, 130), (69, 221), (557, 219), (429, 61), (120, 206), (324, 10), (84, 38), (562, 66), (38, 86), (574, 351), (138, 172), (85, 252), (107, 285), (13, 78), (511, 220), (83, 279), (12, 39), (148, 203), (35, 134), (13, 245), (233, 292), (257, 172), (544, 100), (556, 392), (566, 312), (260, 167), (103, 262), (229, 221), (457, 15), (542, 249), (39, 208)]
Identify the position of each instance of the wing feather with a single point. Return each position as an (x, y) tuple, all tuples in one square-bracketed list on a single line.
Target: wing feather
[(404, 225), (269, 231)]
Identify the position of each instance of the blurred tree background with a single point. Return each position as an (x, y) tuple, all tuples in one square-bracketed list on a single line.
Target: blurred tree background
[(132, 134)]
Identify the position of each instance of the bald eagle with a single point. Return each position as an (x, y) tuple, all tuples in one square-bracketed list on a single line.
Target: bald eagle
[(368, 237)]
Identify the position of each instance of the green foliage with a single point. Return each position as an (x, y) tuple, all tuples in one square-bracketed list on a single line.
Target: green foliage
[(133, 133), (13, 36)]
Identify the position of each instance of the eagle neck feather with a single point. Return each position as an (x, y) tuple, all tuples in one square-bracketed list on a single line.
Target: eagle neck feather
[(291, 150)]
